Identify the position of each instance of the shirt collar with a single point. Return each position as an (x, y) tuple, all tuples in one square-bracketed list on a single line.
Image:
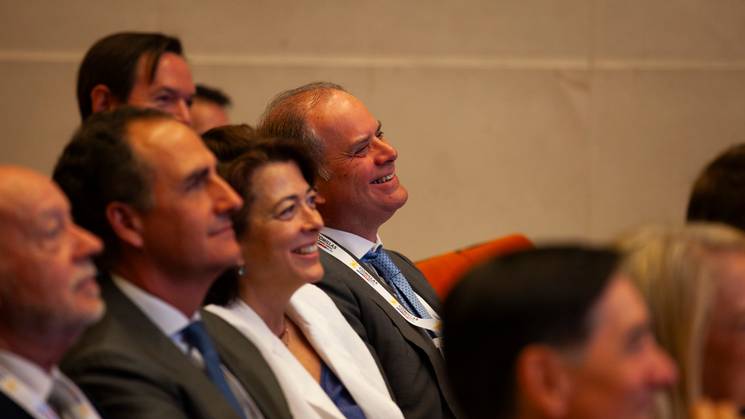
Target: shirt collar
[(30, 374), (169, 320), (354, 244)]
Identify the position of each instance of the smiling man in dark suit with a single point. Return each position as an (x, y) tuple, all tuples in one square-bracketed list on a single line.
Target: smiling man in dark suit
[(149, 187), (382, 295)]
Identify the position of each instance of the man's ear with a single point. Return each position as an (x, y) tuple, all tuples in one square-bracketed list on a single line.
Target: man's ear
[(544, 383), (102, 99), (126, 223)]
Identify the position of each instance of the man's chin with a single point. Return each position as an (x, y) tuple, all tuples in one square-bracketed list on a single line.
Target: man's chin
[(394, 202), (95, 311)]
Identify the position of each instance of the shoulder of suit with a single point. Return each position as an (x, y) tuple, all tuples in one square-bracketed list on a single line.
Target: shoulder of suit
[(400, 256)]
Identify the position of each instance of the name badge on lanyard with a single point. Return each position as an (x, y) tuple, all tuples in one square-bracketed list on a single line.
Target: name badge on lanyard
[(434, 324)]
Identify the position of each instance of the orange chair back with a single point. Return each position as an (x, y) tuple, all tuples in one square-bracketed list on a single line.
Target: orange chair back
[(443, 271)]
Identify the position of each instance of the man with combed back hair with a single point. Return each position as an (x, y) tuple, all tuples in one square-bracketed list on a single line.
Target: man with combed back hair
[(555, 332), (48, 297), (142, 69), (382, 295), (149, 187)]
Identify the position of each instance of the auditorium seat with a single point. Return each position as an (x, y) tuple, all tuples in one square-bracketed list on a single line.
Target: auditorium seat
[(443, 271)]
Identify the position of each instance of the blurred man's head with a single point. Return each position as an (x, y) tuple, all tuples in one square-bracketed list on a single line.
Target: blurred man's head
[(717, 194), (149, 187), (48, 290), (209, 109), (140, 69), (552, 333), (357, 173)]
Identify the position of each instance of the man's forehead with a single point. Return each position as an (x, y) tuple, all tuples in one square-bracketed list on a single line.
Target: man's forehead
[(28, 198), (342, 114), (168, 72), (620, 308), (166, 144), (336, 105)]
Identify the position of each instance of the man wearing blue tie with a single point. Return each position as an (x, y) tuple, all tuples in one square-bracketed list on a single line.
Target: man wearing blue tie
[(382, 295), (149, 187)]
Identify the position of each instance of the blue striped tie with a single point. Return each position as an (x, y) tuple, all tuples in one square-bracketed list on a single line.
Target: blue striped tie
[(196, 336), (382, 263)]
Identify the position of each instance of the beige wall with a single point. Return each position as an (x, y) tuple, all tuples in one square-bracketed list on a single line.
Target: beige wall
[(555, 118)]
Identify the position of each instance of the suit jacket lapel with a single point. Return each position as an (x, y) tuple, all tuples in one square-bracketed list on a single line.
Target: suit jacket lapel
[(313, 319), (417, 281), (245, 361), (411, 333), (414, 335), (159, 349)]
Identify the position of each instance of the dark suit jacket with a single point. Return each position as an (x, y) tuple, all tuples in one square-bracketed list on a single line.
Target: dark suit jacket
[(410, 362), (130, 369), (11, 410)]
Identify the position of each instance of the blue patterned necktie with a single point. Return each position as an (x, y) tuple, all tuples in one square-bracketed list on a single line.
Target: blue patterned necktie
[(382, 263), (196, 336)]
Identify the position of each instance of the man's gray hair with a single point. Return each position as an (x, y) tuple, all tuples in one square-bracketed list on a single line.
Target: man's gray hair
[(286, 117)]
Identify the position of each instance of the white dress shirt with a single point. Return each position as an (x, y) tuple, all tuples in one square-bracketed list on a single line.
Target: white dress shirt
[(29, 386)]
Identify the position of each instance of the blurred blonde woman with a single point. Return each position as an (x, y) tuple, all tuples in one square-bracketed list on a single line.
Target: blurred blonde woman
[(693, 278)]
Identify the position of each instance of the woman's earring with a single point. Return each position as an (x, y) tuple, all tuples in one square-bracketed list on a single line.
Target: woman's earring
[(241, 270)]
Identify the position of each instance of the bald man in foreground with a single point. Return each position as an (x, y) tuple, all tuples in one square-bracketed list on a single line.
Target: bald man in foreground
[(48, 297)]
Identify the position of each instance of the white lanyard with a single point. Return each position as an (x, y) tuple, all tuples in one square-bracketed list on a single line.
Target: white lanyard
[(434, 324)]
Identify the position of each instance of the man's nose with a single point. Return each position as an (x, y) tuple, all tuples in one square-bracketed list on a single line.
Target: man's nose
[(182, 112), (385, 152), (87, 244), (226, 198)]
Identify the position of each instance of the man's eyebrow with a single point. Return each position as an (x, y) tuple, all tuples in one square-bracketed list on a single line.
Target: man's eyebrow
[(50, 220), (355, 145), (197, 176), (166, 89), (639, 331), (172, 91), (366, 139)]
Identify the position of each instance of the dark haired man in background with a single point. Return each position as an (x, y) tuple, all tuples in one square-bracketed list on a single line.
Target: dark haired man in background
[(209, 109), (146, 70)]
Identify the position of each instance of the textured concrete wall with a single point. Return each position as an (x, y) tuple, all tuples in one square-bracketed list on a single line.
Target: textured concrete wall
[(558, 119)]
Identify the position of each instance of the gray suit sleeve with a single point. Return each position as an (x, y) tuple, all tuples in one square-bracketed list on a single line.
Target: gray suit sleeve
[(118, 392)]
